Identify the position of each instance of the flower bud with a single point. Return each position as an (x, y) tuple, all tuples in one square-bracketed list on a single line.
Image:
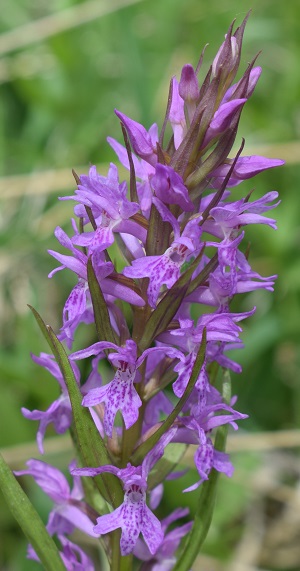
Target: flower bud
[(226, 57), (188, 85), (189, 90)]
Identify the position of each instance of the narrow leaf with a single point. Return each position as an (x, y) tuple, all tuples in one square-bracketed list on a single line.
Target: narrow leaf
[(133, 191), (91, 447), (104, 329), (146, 446), (158, 234), (29, 520)]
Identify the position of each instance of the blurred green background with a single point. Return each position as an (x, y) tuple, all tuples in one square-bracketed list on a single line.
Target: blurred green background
[(64, 67)]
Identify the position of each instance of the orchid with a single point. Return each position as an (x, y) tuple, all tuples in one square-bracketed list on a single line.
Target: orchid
[(133, 516), (181, 234), (68, 510)]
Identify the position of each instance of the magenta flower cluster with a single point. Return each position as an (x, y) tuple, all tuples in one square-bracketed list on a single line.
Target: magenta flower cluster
[(180, 234)]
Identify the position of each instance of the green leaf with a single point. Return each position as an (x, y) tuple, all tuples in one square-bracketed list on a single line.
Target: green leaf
[(146, 446), (203, 517), (90, 445), (29, 520), (158, 234), (104, 329), (168, 306)]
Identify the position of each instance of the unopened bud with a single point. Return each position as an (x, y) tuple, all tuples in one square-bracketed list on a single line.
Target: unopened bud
[(188, 85)]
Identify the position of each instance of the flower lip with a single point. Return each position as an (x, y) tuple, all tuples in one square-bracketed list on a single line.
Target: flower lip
[(135, 493)]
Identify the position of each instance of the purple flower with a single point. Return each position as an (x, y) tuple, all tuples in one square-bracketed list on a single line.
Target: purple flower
[(189, 89), (111, 209), (230, 257), (60, 412), (188, 85), (68, 511), (252, 79), (169, 187), (222, 286), (78, 307), (133, 516), (142, 141), (120, 393), (165, 269), (233, 215), (206, 458), (194, 431), (222, 119), (74, 558), (176, 114), (246, 167), (143, 171)]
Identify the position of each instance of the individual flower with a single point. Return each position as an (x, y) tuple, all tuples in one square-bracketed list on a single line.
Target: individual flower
[(69, 510), (143, 172), (245, 86), (120, 393), (59, 412), (221, 329), (78, 307), (223, 285), (226, 60), (233, 215), (194, 429), (133, 516), (245, 167), (165, 269), (206, 458), (74, 558), (111, 209), (142, 141), (169, 188)]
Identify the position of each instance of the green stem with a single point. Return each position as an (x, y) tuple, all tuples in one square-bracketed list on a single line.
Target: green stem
[(115, 550), (119, 562), (202, 521), (131, 436)]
